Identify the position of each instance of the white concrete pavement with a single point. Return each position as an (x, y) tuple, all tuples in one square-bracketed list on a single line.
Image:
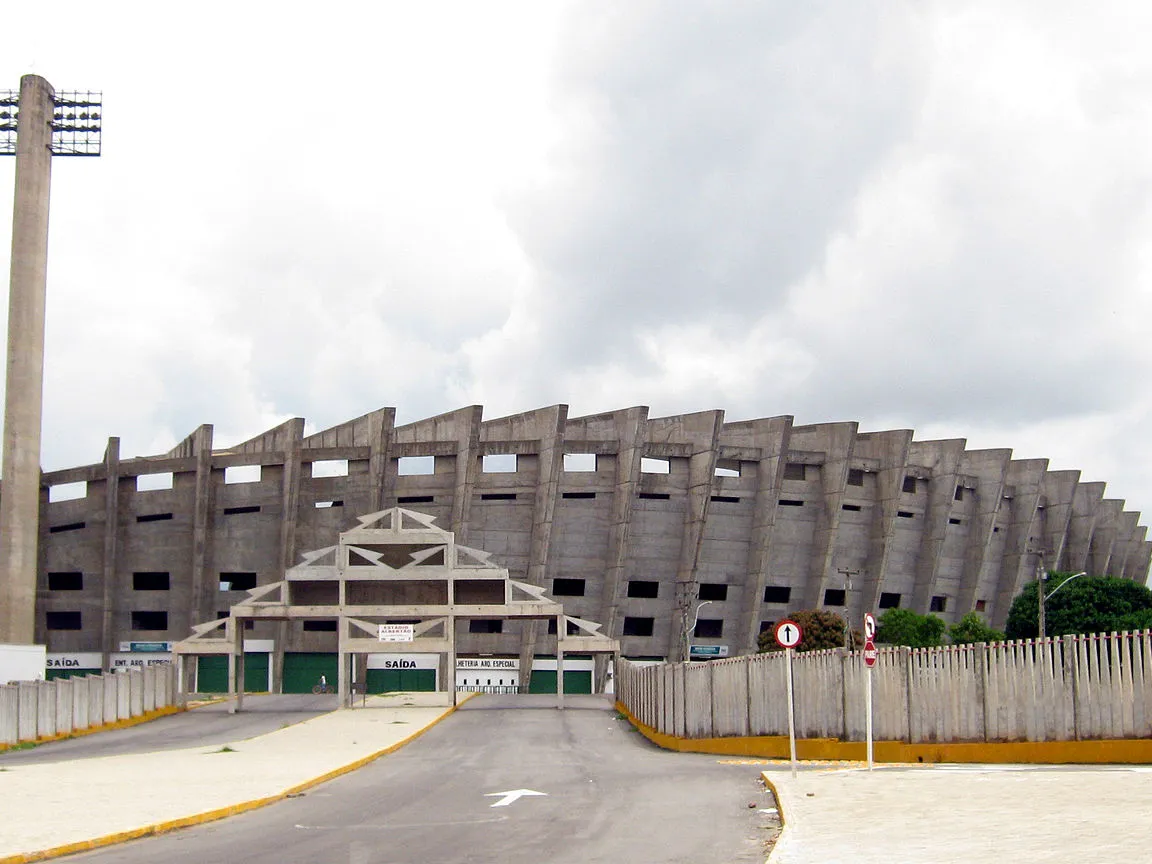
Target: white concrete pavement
[(67, 806), (976, 814)]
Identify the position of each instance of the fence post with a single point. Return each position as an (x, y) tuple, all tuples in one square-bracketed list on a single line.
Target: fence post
[(9, 714), (1072, 669), (27, 692), (982, 683), (906, 657), (45, 708)]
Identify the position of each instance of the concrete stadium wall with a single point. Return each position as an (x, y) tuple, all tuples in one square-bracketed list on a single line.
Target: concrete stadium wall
[(41, 711), (1074, 688), (688, 503)]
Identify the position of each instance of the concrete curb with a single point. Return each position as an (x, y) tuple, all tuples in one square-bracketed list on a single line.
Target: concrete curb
[(773, 856), (104, 727), (1128, 751), (220, 812)]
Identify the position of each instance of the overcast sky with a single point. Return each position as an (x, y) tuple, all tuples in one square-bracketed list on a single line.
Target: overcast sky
[(926, 215)]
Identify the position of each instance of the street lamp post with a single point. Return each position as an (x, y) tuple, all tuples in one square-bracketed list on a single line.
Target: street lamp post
[(688, 628), (1044, 599)]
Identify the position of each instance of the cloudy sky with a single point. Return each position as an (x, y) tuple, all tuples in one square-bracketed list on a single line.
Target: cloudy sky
[(927, 215)]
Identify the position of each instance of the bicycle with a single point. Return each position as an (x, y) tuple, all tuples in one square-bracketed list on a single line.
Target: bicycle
[(323, 687)]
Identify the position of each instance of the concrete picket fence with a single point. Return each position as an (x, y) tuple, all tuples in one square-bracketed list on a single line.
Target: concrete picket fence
[(38, 710), (1068, 688)]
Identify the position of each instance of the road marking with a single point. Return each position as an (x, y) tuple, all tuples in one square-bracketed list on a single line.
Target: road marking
[(507, 798)]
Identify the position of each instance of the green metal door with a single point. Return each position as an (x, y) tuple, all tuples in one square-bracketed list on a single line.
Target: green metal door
[(401, 680), (53, 674), (575, 681), (256, 672), (302, 671), (212, 673)]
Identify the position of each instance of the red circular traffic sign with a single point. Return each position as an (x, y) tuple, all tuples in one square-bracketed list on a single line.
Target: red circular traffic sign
[(870, 653), (789, 634)]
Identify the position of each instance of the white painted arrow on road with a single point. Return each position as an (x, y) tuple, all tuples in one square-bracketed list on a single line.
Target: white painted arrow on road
[(507, 798)]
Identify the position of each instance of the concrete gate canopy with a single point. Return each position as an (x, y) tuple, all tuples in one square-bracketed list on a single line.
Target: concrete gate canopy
[(395, 565)]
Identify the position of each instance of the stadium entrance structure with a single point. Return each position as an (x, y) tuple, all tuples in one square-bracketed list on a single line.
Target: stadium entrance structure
[(396, 584)]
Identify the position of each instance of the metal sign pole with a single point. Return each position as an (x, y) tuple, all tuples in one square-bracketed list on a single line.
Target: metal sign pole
[(868, 719), (791, 712)]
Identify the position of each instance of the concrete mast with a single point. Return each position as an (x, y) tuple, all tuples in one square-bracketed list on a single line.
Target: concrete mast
[(24, 396)]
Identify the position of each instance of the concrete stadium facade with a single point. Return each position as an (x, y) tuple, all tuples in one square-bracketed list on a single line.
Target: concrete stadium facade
[(629, 520)]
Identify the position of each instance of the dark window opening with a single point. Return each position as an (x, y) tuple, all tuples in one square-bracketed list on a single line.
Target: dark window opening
[(324, 505), (149, 581), (726, 499), (766, 626), (959, 496), (149, 620), (643, 588), (909, 484), (235, 511), (996, 530), (905, 514), (855, 476), (64, 621), (571, 629), (790, 502), (478, 625), (237, 581), (567, 587), (953, 521), (71, 526), (835, 596), (981, 605), (889, 600), (940, 602), (154, 517), (654, 496), (713, 591), (577, 495), (709, 628), (70, 581), (498, 496), (415, 499), (638, 626), (851, 508), (795, 471), (777, 594), (320, 626)]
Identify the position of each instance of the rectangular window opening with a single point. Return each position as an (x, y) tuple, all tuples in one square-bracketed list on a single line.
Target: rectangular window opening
[(648, 465), (728, 469), (777, 594), (578, 496), (483, 625), (715, 591), (638, 626), (981, 605), (909, 484), (795, 471), (567, 587), (66, 581), (415, 499), (498, 496), (149, 620), (237, 581), (766, 626), (954, 521), (154, 482), (709, 628), (330, 468), (889, 600), (790, 502), (319, 625), (835, 596), (643, 588), (498, 463), (851, 508), (579, 462), (71, 526), (959, 496), (242, 474), (63, 621), (726, 499), (154, 517), (855, 476), (236, 511), (325, 505), (654, 496), (905, 514), (68, 491), (411, 466), (939, 603), (150, 581)]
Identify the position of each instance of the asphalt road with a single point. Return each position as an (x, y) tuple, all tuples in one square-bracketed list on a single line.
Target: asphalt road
[(608, 795), (203, 726)]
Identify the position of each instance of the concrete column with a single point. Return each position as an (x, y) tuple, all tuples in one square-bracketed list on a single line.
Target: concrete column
[(467, 428), (631, 427), (111, 533), (201, 606), (1019, 566), (890, 449), (943, 457), (23, 405), (1086, 503), (989, 468)]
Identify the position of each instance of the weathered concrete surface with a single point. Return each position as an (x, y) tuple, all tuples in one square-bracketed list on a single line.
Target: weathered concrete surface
[(970, 814)]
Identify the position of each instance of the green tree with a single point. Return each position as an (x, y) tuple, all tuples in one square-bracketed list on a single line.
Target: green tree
[(905, 627), (1089, 604), (822, 629), (972, 628)]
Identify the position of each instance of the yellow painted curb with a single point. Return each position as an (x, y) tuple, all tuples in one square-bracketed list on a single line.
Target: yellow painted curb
[(779, 812), (1129, 751), (219, 813), (105, 727)]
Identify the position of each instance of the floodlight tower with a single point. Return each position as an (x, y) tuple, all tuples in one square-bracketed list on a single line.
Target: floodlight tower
[(36, 123)]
